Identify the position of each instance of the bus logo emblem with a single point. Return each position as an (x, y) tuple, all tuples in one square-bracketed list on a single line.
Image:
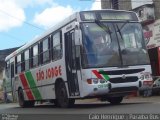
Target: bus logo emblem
[(123, 76)]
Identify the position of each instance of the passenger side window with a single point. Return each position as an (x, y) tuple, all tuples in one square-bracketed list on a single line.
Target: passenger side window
[(26, 57), (19, 63), (35, 56), (56, 46), (22, 62), (7, 69), (45, 51)]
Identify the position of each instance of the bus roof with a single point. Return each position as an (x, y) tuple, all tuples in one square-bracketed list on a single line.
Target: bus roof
[(56, 27)]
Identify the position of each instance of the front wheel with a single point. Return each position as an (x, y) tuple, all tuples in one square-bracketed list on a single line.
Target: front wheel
[(54, 101), (115, 100), (62, 96)]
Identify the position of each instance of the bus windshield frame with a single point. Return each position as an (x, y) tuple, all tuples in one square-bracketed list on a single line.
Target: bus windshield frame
[(121, 44)]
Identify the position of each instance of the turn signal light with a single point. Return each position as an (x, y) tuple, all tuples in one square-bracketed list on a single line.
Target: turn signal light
[(89, 81)]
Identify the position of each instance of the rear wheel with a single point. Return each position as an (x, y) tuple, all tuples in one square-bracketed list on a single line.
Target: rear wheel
[(22, 101), (115, 100), (62, 99), (30, 103)]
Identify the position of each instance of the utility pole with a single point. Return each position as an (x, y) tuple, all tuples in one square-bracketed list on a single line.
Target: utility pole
[(157, 8), (115, 4)]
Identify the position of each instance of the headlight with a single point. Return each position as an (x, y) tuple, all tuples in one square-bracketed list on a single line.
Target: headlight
[(142, 77), (102, 80), (96, 81), (145, 76)]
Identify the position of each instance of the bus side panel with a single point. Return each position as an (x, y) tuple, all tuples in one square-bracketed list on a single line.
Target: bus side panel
[(53, 71), (39, 83)]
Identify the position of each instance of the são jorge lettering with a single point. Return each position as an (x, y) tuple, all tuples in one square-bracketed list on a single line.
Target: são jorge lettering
[(49, 73)]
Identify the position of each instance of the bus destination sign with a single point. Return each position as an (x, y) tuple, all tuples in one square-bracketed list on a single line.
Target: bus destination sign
[(108, 15)]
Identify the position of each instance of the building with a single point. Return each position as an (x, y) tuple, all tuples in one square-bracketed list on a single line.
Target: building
[(150, 19), (149, 15), (157, 8), (116, 4)]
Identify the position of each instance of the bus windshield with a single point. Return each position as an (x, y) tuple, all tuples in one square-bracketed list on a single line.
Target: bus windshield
[(113, 44)]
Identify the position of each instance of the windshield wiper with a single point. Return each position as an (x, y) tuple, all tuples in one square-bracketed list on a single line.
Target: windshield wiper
[(127, 21), (104, 27), (119, 31)]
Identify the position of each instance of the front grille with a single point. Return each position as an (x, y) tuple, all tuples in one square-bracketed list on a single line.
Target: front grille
[(120, 72), (123, 80)]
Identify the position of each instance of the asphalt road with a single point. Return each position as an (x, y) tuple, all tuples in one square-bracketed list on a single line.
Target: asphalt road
[(84, 109)]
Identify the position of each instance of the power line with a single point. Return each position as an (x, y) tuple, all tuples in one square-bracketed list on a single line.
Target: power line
[(123, 0), (21, 20), (11, 36)]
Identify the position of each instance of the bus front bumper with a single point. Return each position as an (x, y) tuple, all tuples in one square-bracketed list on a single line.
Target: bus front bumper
[(110, 89)]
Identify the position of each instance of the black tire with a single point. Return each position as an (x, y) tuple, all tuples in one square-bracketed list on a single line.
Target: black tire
[(22, 102), (115, 100), (54, 101), (30, 103), (62, 99)]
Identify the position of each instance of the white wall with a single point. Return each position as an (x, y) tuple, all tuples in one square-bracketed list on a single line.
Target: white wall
[(137, 3)]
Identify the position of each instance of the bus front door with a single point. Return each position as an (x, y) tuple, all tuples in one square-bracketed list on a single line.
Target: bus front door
[(71, 66)]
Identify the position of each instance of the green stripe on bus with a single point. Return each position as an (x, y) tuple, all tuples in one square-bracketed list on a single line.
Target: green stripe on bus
[(105, 75), (32, 84)]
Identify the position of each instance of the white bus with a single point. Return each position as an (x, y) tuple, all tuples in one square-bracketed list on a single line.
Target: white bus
[(91, 54)]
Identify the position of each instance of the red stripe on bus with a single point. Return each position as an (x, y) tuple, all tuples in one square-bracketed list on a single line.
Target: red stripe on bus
[(26, 87), (97, 74)]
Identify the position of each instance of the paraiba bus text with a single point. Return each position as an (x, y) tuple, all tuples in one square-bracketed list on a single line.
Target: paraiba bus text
[(49, 73)]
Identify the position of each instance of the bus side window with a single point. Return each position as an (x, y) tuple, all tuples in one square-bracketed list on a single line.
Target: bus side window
[(22, 62), (34, 56), (26, 58), (7, 68), (44, 51), (56, 46), (31, 57), (18, 63)]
